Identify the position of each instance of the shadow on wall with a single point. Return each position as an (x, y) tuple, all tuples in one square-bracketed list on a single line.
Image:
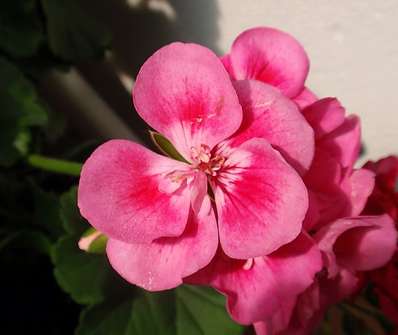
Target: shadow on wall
[(138, 30)]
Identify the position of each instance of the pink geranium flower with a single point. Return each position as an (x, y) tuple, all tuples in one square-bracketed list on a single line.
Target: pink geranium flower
[(336, 189), (384, 199), (266, 288), (273, 57), (349, 246), (161, 223)]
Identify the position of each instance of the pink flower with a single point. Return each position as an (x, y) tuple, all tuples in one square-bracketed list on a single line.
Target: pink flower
[(350, 244), (259, 287), (337, 196), (336, 189), (349, 247), (273, 57), (161, 223), (384, 199)]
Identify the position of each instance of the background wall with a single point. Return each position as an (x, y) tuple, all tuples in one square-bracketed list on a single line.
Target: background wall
[(353, 48)]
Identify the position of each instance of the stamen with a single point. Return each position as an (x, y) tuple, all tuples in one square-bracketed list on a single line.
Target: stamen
[(249, 264), (204, 160)]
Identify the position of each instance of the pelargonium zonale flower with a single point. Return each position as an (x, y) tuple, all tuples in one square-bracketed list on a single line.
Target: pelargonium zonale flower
[(161, 222), (274, 57)]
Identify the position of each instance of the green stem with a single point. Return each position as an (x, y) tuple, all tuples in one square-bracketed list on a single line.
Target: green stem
[(55, 165)]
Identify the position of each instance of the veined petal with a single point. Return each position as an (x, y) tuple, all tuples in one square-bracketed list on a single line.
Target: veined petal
[(132, 194), (269, 114), (163, 263), (359, 243), (261, 200), (258, 288), (271, 56), (184, 92)]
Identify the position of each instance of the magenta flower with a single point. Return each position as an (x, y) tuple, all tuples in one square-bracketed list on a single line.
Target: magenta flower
[(161, 223)]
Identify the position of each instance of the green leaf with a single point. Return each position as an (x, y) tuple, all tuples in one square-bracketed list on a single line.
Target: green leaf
[(21, 30), (72, 221), (202, 311), (27, 240), (20, 109), (84, 276), (166, 147), (106, 318), (46, 211), (185, 310), (74, 35)]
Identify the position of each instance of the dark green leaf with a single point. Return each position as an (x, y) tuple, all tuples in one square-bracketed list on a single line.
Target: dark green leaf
[(74, 35), (26, 240), (20, 109), (46, 213), (185, 310), (106, 318), (21, 30), (84, 276), (202, 311), (72, 221)]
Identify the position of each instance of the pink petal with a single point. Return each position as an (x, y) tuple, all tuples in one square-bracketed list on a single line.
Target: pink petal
[(184, 92), (278, 321), (324, 174), (271, 56), (162, 264), (313, 213), (344, 142), (362, 183), (305, 98), (261, 201), (360, 243), (324, 116), (258, 288), (270, 115), (226, 61), (125, 192)]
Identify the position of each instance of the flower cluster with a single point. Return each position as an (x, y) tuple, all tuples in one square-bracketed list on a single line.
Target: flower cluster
[(384, 199), (264, 205)]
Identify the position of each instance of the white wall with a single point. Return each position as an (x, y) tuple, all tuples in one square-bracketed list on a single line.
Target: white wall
[(353, 47)]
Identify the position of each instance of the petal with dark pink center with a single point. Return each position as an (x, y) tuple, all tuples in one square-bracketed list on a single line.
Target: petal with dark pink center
[(163, 263), (269, 114), (261, 200), (271, 56), (184, 92), (130, 193)]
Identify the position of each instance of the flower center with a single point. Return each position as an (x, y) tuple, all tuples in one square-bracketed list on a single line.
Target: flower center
[(205, 161)]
